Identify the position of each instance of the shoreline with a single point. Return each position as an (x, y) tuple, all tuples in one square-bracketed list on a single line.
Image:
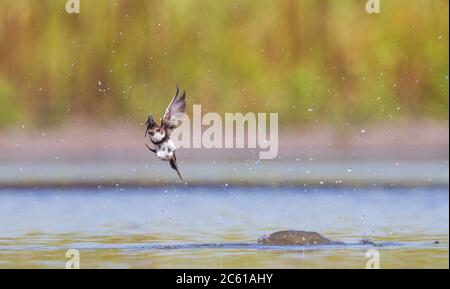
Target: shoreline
[(307, 187), (125, 142), (407, 154)]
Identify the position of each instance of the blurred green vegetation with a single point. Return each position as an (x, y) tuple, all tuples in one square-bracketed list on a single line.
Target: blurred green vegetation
[(309, 60)]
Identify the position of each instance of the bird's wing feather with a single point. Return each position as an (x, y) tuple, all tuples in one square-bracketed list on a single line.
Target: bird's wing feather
[(152, 150), (177, 105)]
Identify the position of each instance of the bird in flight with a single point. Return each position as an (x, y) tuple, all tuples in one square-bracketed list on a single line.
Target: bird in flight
[(159, 134)]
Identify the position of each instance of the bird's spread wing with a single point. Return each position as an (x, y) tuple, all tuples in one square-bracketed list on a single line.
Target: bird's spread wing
[(177, 105)]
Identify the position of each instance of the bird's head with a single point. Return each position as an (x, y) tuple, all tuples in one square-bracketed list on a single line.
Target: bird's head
[(155, 132)]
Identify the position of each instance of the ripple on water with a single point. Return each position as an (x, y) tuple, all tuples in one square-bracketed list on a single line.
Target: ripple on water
[(218, 227)]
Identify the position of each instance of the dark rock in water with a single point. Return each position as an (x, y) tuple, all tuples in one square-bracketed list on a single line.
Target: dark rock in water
[(366, 241), (436, 243), (299, 238)]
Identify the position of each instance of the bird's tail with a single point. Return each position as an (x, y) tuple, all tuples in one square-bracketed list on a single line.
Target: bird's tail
[(174, 165)]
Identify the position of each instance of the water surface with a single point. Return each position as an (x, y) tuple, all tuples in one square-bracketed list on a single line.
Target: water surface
[(216, 227)]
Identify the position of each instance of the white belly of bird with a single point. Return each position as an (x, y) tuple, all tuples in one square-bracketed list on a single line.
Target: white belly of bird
[(157, 137), (165, 150)]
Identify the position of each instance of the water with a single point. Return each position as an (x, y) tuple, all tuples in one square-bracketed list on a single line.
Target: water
[(211, 227)]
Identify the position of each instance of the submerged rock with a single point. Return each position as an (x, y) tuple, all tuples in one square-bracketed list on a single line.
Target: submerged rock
[(304, 238), (366, 241), (299, 238)]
